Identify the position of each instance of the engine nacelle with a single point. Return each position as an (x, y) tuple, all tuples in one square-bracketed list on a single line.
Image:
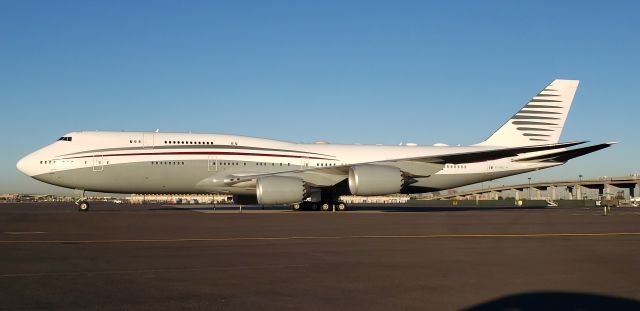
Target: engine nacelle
[(280, 190), (370, 179)]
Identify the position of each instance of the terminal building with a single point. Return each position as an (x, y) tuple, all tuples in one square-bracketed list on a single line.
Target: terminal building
[(180, 198), (381, 199)]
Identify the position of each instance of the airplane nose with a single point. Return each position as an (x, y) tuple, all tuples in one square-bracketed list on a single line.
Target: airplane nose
[(23, 165)]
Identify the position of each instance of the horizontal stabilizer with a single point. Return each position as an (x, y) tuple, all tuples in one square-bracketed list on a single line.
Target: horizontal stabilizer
[(489, 155), (564, 156)]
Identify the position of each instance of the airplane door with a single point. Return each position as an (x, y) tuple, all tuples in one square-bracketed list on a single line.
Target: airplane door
[(54, 167), (304, 162), (147, 140), (212, 164), (98, 163)]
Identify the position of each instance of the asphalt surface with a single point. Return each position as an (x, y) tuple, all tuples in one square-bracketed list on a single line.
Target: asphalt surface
[(165, 258)]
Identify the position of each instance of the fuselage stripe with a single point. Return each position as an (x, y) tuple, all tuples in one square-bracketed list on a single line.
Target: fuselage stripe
[(202, 153), (196, 147)]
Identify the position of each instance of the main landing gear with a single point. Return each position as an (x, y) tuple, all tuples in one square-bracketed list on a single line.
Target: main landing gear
[(323, 206), (305, 206), (83, 203)]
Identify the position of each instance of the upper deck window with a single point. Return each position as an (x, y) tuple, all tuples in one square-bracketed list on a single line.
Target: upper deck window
[(65, 138)]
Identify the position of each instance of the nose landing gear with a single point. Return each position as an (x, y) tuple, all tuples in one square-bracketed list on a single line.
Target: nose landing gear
[(83, 203)]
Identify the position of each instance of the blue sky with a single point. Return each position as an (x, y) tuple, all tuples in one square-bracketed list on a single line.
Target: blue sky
[(342, 71)]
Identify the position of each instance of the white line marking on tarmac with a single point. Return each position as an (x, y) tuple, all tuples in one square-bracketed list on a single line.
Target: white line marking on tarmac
[(23, 232), (344, 237)]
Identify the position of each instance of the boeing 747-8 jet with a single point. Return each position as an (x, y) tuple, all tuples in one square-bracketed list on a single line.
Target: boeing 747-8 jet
[(303, 175)]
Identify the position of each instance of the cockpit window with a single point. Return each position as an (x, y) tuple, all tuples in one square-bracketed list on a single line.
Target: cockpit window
[(65, 138)]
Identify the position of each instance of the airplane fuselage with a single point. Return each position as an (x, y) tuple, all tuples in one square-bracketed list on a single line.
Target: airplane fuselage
[(149, 162), (304, 175)]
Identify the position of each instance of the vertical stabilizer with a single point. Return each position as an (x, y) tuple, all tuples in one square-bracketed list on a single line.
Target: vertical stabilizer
[(540, 121)]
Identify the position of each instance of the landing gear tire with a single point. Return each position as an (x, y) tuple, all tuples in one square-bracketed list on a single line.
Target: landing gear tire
[(341, 207), (314, 206), (305, 206), (83, 206), (325, 207)]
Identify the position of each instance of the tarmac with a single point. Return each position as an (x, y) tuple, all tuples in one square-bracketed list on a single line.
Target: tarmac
[(153, 257)]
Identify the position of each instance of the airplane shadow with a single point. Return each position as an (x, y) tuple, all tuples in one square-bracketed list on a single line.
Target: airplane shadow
[(557, 301), (431, 209)]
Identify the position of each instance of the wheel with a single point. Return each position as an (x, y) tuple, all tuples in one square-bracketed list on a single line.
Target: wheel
[(325, 207), (83, 206), (296, 207), (341, 207)]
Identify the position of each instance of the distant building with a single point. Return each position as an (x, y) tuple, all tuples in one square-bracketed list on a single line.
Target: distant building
[(8, 197), (386, 199), (180, 198)]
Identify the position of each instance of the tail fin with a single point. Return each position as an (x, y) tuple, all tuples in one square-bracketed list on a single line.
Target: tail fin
[(540, 121)]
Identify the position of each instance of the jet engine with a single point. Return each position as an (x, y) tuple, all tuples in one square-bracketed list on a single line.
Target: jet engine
[(280, 190), (370, 179)]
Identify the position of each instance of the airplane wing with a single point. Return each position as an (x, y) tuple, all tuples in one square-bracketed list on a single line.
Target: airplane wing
[(414, 166)]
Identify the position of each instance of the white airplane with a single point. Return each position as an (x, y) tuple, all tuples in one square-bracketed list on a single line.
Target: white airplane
[(307, 176)]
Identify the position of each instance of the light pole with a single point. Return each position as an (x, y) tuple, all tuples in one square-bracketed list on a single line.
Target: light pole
[(580, 185), (529, 188)]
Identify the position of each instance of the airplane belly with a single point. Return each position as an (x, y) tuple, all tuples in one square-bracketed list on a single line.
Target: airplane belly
[(140, 177)]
